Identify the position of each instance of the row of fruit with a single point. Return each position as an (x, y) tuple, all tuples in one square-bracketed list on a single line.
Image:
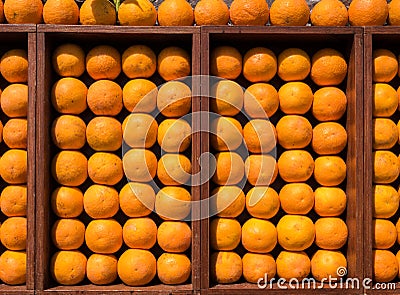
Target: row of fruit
[(206, 12), (13, 166), (275, 229), (107, 233), (386, 166)]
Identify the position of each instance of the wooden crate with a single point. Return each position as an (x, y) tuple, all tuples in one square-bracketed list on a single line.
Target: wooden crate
[(349, 42), (24, 37), (121, 38), (387, 37)]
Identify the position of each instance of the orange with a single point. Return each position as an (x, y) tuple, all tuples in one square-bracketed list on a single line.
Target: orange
[(295, 232), (139, 61), (140, 233), (229, 168), (293, 265), (139, 165), (327, 265), (386, 167), (329, 138), (14, 66), (174, 135), (68, 234), (329, 13), (101, 201), (173, 203), (259, 64), (97, 12), (259, 136), (296, 198), (211, 12), (262, 202), (69, 60), (137, 267), (68, 96), (329, 68), (140, 96), (225, 234), (13, 267), (104, 236), (329, 104), (398, 258), (226, 98), (174, 99), (2, 18), (329, 201), (394, 17), (103, 62), (15, 133), (329, 170), (13, 233), (261, 169), (173, 269), (385, 65), (226, 134), (260, 100), (101, 269), (13, 166), (385, 134), (385, 100), (14, 100), (67, 202), (330, 233), (227, 201), (175, 13), (295, 98), (225, 267), (68, 132), (289, 13), (140, 130), (174, 169), (225, 62), (386, 267), (105, 168), (137, 13), (68, 267), (294, 132), (256, 266), (137, 199), (386, 201), (293, 64), (249, 13), (61, 12), (259, 235), (104, 134), (104, 98), (368, 13), (13, 200), (174, 236), (23, 11), (173, 63), (385, 233), (295, 166)]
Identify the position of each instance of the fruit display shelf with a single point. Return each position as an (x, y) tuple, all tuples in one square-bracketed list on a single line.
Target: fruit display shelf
[(23, 37), (348, 41), (49, 37), (378, 38)]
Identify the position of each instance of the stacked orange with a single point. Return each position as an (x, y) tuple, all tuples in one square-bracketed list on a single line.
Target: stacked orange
[(90, 143), (295, 232), (385, 165), (13, 166)]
